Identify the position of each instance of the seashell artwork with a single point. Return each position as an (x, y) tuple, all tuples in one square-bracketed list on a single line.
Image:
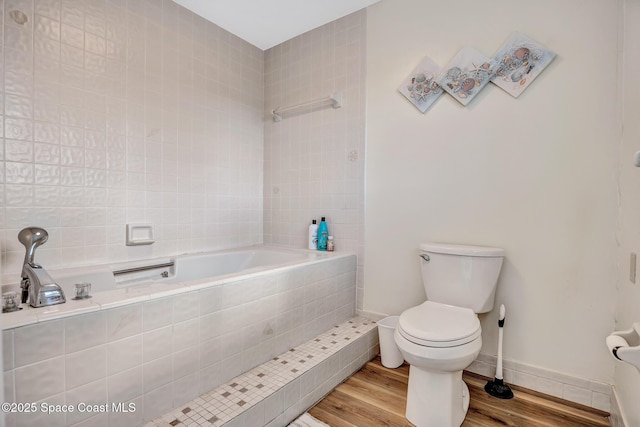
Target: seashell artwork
[(515, 65), (465, 76), (518, 62), (420, 87)]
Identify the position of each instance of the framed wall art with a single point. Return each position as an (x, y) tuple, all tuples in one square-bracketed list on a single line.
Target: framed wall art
[(518, 62), (465, 76), (420, 88)]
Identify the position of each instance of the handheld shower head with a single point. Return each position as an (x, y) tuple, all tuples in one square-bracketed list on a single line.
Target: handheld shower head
[(31, 238), (37, 286)]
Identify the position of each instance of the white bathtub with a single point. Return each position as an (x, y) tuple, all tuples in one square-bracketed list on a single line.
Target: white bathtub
[(119, 284), (182, 268), (193, 267)]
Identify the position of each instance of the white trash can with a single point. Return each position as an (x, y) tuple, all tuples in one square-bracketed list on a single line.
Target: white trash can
[(389, 352)]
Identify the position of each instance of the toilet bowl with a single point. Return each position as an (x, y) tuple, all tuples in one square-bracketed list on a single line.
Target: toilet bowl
[(442, 336), (438, 341)]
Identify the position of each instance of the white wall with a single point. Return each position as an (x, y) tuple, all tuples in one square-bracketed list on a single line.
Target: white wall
[(627, 379), (535, 175)]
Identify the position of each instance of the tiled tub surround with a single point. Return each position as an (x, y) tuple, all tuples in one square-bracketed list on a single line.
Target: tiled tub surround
[(276, 392), (314, 160), (116, 112), (160, 353)]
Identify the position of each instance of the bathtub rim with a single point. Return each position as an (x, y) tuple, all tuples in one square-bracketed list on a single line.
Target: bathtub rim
[(107, 300)]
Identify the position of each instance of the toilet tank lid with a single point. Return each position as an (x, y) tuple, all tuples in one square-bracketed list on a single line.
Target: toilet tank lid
[(455, 249)]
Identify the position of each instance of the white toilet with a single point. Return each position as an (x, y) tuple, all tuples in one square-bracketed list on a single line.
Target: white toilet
[(442, 336)]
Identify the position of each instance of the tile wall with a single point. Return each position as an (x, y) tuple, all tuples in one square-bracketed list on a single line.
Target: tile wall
[(314, 157), (162, 353), (115, 111)]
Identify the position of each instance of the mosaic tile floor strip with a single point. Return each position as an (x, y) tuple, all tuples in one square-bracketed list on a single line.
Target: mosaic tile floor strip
[(228, 400)]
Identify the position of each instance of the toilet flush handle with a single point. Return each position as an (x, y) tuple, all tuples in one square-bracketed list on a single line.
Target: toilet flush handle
[(425, 257)]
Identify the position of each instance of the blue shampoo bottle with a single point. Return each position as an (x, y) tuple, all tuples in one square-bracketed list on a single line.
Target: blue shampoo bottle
[(323, 234)]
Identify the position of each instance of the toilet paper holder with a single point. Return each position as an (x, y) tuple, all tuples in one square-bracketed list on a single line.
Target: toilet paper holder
[(625, 345)]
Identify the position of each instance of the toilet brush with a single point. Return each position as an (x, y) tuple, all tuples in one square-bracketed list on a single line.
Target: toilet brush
[(497, 387)]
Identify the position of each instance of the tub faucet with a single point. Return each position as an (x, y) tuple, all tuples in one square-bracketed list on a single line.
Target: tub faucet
[(37, 286)]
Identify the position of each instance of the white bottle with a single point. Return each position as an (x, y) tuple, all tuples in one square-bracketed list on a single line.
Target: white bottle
[(313, 235)]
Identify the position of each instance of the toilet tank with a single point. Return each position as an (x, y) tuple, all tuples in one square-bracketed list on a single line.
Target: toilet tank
[(461, 275)]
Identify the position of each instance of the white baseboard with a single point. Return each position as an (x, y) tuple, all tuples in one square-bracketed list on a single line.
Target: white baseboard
[(590, 393), (617, 417), (371, 315)]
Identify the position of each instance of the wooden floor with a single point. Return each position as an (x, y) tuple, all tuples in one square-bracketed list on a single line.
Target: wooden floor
[(376, 396)]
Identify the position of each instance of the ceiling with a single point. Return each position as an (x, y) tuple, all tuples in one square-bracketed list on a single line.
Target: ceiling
[(267, 23)]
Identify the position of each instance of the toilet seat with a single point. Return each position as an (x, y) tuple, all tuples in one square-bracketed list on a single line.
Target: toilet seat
[(433, 324)]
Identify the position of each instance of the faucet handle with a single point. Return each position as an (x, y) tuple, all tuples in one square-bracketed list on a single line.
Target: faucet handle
[(10, 302)]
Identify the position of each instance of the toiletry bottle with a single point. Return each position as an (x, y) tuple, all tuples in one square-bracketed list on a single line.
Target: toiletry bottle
[(330, 245), (323, 234), (313, 235)]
